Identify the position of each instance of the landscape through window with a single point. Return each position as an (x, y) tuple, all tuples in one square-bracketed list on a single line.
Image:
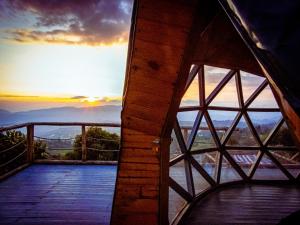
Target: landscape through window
[(228, 128)]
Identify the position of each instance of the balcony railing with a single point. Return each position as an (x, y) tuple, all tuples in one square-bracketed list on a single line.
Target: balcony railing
[(20, 147)]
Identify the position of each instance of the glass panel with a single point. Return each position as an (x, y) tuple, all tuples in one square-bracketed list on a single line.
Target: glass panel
[(200, 183), (250, 83), (241, 136), (186, 122), (174, 147), (177, 172), (264, 122), (203, 139), (264, 100), (228, 173), (267, 170), (213, 76), (289, 159), (191, 96), (209, 162), (222, 120), (244, 158), (227, 96), (176, 203), (282, 137)]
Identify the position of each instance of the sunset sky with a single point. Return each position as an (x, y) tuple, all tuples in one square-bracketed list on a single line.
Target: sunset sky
[(73, 53), (56, 53)]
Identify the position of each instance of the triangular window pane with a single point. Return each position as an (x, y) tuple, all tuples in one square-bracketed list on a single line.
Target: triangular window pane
[(228, 173), (209, 162), (289, 159), (200, 183), (283, 137), (222, 120), (186, 122), (203, 138), (177, 172), (244, 158), (242, 136), (176, 203), (265, 99), (227, 96), (250, 83), (213, 76), (191, 96), (264, 122), (174, 146), (267, 170)]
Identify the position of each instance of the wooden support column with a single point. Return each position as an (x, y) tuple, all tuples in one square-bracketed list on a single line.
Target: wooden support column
[(30, 143), (83, 143), (163, 148)]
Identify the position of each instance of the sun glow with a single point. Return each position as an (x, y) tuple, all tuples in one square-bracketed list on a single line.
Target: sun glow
[(91, 99)]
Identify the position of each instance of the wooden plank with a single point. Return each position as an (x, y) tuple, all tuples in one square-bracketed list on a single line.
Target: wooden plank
[(161, 34), (139, 124), (227, 52), (245, 204), (58, 194), (170, 12)]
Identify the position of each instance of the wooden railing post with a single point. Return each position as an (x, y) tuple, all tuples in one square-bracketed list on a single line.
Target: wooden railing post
[(185, 134), (30, 144), (83, 141)]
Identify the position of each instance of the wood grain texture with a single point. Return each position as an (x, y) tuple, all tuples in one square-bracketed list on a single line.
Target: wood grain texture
[(220, 45), (58, 194), (156, 53), (245, 204)]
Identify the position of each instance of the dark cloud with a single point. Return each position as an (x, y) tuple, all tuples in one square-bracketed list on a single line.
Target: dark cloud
[(74, 21), (79, 97), (112, 101), (19, 96)]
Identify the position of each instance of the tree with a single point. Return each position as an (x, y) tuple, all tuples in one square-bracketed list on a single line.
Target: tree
[(12, 144), (97, 139), (283, 138)]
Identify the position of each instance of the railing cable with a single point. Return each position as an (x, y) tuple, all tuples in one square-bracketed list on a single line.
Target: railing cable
[(5, 164), (54, 139), (12, 147)]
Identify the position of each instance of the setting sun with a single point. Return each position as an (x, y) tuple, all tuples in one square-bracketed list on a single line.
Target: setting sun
[(91, 99)]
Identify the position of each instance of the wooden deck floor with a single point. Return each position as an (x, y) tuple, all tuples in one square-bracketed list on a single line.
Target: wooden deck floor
[(246, 204), (58, 194)]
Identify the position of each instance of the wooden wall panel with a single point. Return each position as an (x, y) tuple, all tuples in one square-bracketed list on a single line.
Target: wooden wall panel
[(220, 45)]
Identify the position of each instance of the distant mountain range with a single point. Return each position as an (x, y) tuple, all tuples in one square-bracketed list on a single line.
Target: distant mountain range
[(111, 113), (107, 113)]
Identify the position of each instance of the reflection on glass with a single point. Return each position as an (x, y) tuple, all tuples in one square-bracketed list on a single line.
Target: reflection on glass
[(289, 159), (228, 173), (174, 147), (267, 170)]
